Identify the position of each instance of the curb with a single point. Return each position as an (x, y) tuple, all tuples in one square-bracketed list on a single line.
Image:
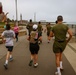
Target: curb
[(72, 48)]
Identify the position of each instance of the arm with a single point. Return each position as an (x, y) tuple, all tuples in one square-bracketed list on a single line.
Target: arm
[(13, 34), (41, 28), (51, 34), (70, 35), (27, 27), (3, 39), (18, 29)]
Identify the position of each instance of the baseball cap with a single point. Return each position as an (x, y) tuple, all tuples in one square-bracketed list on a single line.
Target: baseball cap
[(35, 26)]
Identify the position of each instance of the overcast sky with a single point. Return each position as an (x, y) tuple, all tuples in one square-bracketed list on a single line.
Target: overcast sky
[(45, 9)]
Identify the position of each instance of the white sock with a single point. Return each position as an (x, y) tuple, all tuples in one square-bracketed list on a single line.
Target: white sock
[(48, 40), (6, 62), (60, 64), (58, 69), (10, 56)]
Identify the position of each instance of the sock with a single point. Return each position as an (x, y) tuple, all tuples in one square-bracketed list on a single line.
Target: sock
[(58, 69), (6, 62), (10, 56), (48, 40), (60, 64), (38, 41)]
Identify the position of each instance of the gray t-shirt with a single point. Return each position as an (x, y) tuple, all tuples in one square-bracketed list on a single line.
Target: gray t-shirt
[(8, 35)]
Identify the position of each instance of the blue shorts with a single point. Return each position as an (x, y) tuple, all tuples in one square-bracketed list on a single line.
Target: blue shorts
[(10, 48)]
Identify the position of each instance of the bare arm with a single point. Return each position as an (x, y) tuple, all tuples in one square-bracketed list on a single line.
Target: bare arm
[(14, 35), (3, 39), (70, 35), (51, 34)]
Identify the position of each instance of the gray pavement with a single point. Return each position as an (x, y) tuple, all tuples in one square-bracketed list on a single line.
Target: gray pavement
[(72, 46), (71, 57), (46, 59)]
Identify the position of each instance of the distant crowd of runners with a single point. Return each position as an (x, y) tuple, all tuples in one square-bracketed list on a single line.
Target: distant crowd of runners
[(59, 31)]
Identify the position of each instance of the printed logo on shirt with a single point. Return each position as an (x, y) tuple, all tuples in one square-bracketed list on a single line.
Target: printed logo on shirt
[(8, 35)]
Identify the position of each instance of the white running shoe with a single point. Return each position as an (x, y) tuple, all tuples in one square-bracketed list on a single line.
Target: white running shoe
[(6, 66), (56, 73), (62, 69), (48, 41), (38, 42), (36, 64), (11, 59)]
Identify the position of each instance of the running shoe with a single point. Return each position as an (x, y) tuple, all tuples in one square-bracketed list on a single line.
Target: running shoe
[(56, 73), (62, 69), (11, 59), (6, 66), (30, 63), (48, 42), (35, 65), (16, 40), (39, 42)]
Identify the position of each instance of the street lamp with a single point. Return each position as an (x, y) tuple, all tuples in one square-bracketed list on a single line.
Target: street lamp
[(35, 17), (16, 11), (75, 33)]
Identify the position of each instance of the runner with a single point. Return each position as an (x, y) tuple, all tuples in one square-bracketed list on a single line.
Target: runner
[(8, 36), (59, 31), (48, 29), (34, 47), (29, 27), (16, 30), (40, 32)]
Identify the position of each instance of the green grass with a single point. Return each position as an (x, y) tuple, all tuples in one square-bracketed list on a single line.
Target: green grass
[(2, 24)]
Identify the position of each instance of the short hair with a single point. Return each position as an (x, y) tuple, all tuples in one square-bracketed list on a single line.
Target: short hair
[(39, 22), (30, 20), (59, 18), (8, 27), (56, 21)]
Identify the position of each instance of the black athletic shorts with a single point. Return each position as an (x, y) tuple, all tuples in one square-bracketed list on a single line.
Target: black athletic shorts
[(48, 33), (34, 48), (10, 48)]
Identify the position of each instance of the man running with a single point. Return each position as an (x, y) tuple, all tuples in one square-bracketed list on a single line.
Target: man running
[(40, 32), (59, 31), (29, 27), (48, 28)]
